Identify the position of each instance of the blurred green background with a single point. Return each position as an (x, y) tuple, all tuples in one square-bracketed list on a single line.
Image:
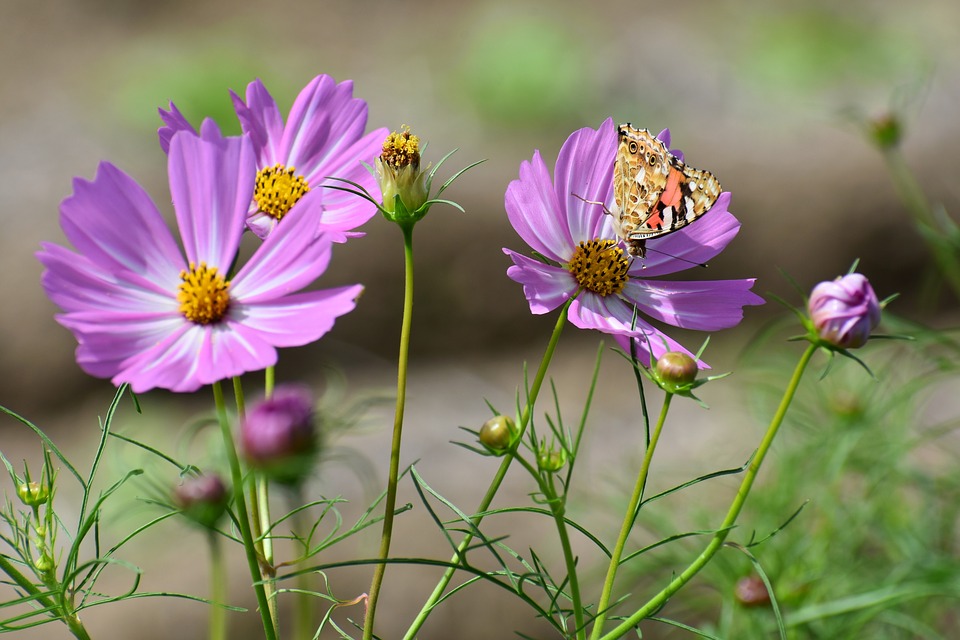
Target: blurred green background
[(769, 96)]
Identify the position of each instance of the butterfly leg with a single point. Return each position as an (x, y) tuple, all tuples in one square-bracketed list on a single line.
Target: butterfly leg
[(605, 210)]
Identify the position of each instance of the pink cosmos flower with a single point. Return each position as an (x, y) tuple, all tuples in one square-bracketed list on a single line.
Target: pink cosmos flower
[(323, 137), (145, 314), (578, 240)]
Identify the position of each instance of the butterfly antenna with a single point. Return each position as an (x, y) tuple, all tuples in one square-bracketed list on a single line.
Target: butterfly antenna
[(692, 262)]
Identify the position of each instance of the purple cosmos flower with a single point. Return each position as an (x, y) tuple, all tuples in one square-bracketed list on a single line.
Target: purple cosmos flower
[(552, 217), (844, 311), (146, 315), (323, 137)]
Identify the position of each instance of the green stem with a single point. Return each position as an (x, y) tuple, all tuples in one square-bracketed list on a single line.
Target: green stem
[(558, 510), (720, 536), (218, 589), (495, 483), (260, 508), (394, 472), (71, 619), (243, 518), (76, 627), (629, 519), (304, 625)]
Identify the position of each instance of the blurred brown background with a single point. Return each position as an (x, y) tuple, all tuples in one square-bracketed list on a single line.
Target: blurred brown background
[(770, 96)]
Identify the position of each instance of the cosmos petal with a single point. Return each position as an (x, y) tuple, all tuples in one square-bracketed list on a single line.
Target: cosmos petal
[(142, 244), (705, 306), (546, 287), (535, 213), (211, 182)]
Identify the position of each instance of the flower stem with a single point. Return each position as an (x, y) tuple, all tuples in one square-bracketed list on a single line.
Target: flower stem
[(558, 510), (392, 478), (243, 518), (304, 626), (260, 508), (734, 511), (497, 479), (629, 519), (218, 591)]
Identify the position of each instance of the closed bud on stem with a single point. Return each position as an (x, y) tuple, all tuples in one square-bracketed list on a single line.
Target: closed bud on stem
[(279, 436), (33, 494), (751, 592), (885, 131), (497, 434), (844, 311), (203, 499), (676, 371), (551, 460), (45, 564)]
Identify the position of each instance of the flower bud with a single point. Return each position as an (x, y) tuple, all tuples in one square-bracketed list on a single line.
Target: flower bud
[(398, 173), (551, 460), (202, 498), (45, 564), (676, 370), (497, 434), (751, 592), (844, 311), (278, 435), (33, 494), (885, 130)]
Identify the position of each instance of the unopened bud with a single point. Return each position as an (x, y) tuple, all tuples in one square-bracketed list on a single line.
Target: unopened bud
[(551, 460), (844, 311), (33, 494), (675, 370), (751, 592), (278, 434), (497, 434), (202, 498)]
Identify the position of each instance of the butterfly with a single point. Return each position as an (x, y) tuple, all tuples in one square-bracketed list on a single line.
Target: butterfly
[(655, 193)]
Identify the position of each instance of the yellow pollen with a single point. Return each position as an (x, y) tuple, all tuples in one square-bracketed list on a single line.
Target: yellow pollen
[(278, 189), (203, 295), (599, 266), (401, 149)]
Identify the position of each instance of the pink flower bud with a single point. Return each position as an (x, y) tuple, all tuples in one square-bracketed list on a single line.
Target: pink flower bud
[(844, 311), (278, 434), (202, 498)]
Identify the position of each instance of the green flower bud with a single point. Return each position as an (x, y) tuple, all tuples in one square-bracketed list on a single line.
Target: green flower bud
[(44, 564), (886, 131), (676, 370), (497, 434), (551, 460), (33, 494)]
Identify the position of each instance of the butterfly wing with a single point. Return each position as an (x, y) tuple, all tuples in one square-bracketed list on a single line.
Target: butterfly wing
[(687, 194)]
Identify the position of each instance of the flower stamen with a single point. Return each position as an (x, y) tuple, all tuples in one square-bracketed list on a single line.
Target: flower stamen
[(599, 266), (401, 149), (278, 189), (203, 295)]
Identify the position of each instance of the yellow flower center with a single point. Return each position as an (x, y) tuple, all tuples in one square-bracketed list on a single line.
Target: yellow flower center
[(401, 149), (278, 189), (599, 266), (203, 295)]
